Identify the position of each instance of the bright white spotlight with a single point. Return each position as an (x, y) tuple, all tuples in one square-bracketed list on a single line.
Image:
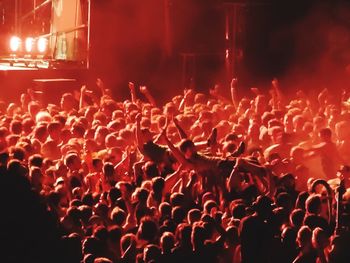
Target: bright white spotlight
[(42, 45), (15, 43), (29, 44)]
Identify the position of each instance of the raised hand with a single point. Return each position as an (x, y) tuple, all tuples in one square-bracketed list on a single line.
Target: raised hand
[(234, 96), (131, 86), (215, 91), (100, 83), (83, 89), (138, 117), (132, 91), (275, 83), (255, 90), (234, 82), (143, 89), (240, 150), (239, 161)]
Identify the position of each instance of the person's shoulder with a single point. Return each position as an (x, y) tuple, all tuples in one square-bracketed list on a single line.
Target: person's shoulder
[(207, 157), (175, 250), (298, 259), (152, 144), (309, 217), (311, 220), (321, 145), (334, 183), (250, 219), (272, 147), (269, 150)]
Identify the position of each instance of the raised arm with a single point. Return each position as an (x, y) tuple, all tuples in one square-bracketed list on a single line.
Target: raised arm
[(144, 90), (102, 87), (193, 177), (240, 150), (323, 97), (176, 152), (215, 92), (81, 99), (171, 179), (132, 92), (254, 168), (139, 137), (278, 92), (183, 102), (123, 166), (181, 132), (272, 184), (234, 181), (234, 96)]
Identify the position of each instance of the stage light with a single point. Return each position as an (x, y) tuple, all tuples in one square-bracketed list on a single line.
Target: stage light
[(29, 44), (42, 45), (15, 43)]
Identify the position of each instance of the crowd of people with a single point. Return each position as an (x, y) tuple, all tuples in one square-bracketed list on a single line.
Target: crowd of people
[(203, 178)]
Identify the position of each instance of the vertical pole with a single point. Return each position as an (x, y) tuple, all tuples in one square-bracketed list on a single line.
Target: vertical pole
[(234, 41), (3, 20), (227, 43), (232, 21), (76, 47), (168, 49), (88, 36), (34, 6), (230, 38), (16, 16), (341, 189), (52, 35)]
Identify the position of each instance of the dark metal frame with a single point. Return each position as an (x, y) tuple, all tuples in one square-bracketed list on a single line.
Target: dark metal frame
[(36, 8)]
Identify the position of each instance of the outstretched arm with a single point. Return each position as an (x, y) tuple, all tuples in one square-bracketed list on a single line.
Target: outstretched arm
[(183, 102), (81, 99), (132, 92), (139, 137), (323, 97), (144, 90), (104, 90), (215, 92), (181, 132), (84, 94), (278, 93), (123, 165), (175, 151), (272, 184), (171, 180), (234, 95), (234, 181), (254, 168)]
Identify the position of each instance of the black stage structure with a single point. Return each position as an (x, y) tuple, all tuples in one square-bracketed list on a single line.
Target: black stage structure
[(51, 82), (171, 44), (120, 41), (64, 26)]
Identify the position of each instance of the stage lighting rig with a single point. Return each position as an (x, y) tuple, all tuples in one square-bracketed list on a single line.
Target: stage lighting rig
[(15, 44), (42, 44), (29, 45), (46, 33)]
